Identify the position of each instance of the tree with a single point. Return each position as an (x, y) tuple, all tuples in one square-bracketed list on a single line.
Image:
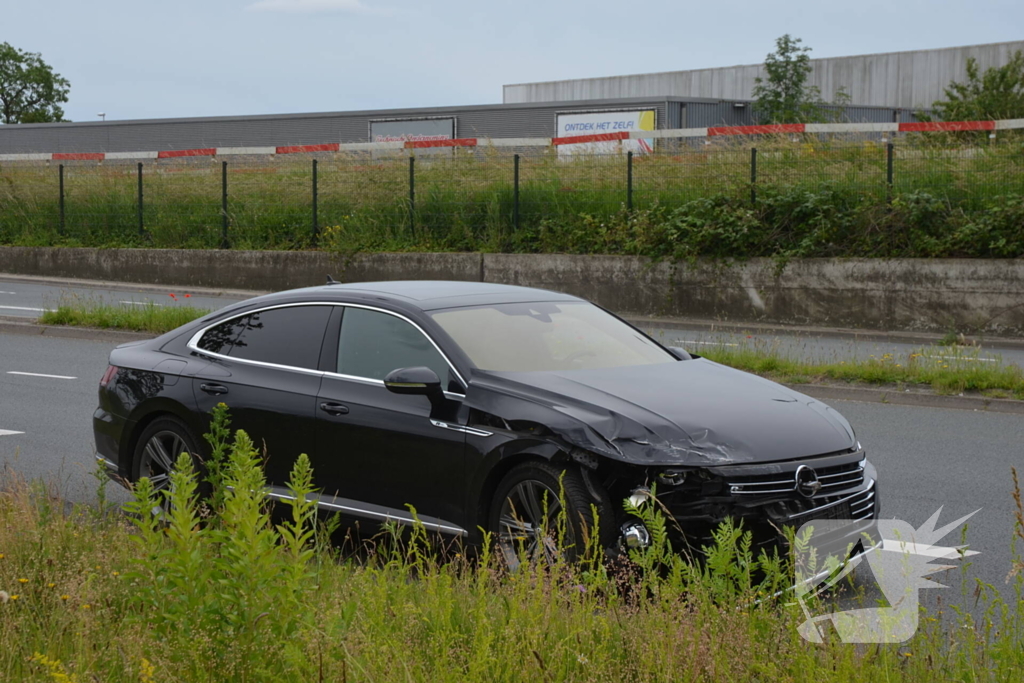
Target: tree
[(784, 96), (30, 92), (996, 94)]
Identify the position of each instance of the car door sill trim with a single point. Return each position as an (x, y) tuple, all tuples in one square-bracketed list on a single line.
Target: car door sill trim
[(372, 511)]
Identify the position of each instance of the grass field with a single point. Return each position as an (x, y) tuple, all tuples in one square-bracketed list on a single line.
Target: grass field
[(813, 198), (87, 594)]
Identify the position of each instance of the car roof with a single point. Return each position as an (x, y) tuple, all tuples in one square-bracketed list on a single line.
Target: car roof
[(430, 295)]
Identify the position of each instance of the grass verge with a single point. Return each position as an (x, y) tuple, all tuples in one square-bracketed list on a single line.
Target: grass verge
[(194, 596), (945, 369), (812, 198), (143, 317)]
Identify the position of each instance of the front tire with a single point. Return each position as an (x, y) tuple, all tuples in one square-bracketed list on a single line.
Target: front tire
[(538, 504)]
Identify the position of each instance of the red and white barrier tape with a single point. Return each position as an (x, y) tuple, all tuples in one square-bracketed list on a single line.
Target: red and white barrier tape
[(780, 129)]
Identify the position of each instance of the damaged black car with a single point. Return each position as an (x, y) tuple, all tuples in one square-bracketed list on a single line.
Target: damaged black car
[(484, 408)]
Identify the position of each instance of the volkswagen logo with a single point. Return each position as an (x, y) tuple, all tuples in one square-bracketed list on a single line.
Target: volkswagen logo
[(806, 481)]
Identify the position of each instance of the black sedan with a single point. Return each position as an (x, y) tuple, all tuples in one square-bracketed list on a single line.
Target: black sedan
[(477, 405)]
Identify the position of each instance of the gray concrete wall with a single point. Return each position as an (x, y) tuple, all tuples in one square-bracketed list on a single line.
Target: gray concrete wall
[(911, 80), (911, 294)]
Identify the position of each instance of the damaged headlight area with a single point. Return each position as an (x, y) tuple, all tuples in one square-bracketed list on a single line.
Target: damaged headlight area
[(764, 498)]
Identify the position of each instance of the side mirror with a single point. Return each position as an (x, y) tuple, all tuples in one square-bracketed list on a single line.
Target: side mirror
[(681, 354), (417, 380)]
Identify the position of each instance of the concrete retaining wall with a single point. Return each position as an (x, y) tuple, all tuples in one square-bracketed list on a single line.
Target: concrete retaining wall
[(910, 294)]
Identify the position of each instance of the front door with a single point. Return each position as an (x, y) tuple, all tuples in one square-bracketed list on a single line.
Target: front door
[(382, 449)]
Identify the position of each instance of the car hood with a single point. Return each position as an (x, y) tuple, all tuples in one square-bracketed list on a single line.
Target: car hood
[(690, 413)]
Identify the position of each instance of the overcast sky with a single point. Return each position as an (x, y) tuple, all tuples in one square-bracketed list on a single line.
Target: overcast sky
[(146, 59)]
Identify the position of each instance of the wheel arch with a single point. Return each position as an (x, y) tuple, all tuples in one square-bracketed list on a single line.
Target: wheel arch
[(503, 459)]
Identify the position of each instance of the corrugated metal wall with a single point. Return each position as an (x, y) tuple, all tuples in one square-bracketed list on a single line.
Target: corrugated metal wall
[(908, 80), (485, 121)]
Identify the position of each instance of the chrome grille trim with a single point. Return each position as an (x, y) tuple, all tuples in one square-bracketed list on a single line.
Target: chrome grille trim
[(862, 501), (850, 475)]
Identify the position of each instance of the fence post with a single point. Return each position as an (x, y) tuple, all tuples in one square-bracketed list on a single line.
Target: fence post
[(60, 175), (888, 170), (629, 180), (315, 200), (142, 228), (412, 193), (515, 192), (753, 176), (224, 205)]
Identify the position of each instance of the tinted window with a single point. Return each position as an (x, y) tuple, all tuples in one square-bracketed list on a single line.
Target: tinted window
[(373, 344), (221, 339), (284, 336)]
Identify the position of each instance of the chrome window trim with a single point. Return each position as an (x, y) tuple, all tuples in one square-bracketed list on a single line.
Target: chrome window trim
[(460, 428), (193, 345)]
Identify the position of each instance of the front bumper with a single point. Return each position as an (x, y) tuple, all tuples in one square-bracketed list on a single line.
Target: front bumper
[(768, 500)]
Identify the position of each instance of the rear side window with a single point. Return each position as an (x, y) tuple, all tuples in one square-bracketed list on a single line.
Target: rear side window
[(373, 344), (289, 336)]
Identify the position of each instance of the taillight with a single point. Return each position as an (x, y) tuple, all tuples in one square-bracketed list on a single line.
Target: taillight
[(108, 375)]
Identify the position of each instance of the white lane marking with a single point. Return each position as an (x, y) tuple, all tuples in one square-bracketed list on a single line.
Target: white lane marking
[(9, 432), (37, 374), (140, 303), (964, 358), (2, 292), (687, 341), (23, 308)]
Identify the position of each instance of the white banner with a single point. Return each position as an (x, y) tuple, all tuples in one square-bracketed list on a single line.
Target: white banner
[(603, 123)]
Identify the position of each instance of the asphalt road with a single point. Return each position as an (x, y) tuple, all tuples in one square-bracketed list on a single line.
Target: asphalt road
[(927, 458)]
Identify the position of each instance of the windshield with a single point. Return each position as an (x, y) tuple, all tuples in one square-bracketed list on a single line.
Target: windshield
[(527, 337)]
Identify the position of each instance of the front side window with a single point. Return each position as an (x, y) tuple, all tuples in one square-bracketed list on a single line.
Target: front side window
[(289, 336), (373, 344)]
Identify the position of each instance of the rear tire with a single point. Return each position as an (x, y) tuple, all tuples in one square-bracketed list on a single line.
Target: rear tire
[(524, 515), (158, 447)]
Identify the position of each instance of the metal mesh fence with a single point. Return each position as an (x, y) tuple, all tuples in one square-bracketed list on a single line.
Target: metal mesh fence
[(482, 198)]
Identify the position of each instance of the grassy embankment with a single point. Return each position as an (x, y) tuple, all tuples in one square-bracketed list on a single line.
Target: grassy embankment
[(90, 595), (143, 317), (814, 198), (947, 370)]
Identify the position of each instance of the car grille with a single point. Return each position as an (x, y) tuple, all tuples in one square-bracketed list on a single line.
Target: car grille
[(859, 505), (832, 478)]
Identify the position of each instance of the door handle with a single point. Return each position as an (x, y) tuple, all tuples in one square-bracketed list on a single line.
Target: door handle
[(334, 408), (215, 389)]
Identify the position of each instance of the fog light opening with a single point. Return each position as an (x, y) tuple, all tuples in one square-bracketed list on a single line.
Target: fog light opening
[(635, 536)]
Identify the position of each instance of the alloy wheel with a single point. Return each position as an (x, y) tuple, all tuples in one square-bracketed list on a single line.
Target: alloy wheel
[(158, 457), (527, 522)]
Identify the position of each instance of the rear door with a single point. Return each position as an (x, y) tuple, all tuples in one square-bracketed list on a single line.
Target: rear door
[(264, 367), (384, 451)]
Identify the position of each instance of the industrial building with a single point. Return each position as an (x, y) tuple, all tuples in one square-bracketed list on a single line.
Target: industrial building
[(884, 88), (911, 80)]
